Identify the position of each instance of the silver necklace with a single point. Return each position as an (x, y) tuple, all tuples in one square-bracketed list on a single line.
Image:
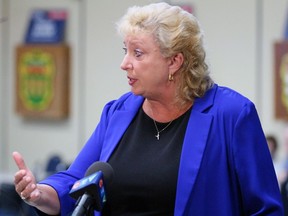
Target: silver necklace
[(158, 132)]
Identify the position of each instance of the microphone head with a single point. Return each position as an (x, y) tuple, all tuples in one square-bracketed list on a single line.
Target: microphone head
[(106, 169), (97, 177)]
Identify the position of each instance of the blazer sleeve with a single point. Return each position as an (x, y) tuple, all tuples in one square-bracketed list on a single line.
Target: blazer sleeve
[(254, 167), (62, 182)]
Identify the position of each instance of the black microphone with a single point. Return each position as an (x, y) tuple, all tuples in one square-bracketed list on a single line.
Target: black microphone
[(90, 191)]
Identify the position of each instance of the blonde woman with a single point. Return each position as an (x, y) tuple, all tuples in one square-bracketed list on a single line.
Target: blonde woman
[(179, 144)]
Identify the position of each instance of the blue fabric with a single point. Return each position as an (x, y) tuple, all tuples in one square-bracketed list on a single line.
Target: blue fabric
[(225, 167)]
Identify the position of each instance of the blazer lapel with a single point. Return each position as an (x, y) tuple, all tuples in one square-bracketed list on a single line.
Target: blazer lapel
[(191, 157), (120, 121), (194, 144)]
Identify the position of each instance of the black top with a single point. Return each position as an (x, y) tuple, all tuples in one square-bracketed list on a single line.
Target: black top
[(146, 169)]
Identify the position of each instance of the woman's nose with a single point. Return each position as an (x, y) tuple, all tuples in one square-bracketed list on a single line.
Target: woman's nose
[(126, 64)]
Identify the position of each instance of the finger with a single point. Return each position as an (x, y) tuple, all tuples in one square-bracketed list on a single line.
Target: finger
[(23, 185), (19, 175), (33, 197), (19, 161), (27, 192)]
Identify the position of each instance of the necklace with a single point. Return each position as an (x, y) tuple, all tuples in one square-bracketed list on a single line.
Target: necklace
[(158, 132)]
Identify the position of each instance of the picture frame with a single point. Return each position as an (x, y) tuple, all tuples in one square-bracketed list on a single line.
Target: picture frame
[(42, 81)]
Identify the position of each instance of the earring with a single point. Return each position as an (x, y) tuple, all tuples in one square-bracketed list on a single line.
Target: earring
[(170, 77)]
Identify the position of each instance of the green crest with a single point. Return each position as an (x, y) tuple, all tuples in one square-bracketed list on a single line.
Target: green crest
[(36, 80)]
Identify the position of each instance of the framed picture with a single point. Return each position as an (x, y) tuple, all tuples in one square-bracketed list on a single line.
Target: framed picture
[(281, 80), (42, 81)]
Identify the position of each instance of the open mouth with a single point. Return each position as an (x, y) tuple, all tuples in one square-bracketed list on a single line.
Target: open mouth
[(131, 81)]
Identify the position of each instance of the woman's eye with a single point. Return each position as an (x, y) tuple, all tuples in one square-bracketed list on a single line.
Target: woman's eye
[(125, 50), (138, 53)]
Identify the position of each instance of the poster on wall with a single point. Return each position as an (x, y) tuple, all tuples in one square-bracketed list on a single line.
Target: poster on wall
[(42, 81), (46, 26), (281, 80)]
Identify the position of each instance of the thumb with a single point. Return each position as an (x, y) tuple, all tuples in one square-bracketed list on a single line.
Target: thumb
[(19, 160)]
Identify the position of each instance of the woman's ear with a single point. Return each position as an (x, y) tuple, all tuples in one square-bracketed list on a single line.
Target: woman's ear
[(176, 62)]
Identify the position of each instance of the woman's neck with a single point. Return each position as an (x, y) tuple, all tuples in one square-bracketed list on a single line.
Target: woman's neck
[(163, 111)]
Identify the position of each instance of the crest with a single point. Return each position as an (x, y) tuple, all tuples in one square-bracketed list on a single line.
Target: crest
[(36, 79)]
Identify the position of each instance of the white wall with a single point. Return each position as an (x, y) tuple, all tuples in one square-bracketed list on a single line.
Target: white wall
[(1, 82), (232, 38)]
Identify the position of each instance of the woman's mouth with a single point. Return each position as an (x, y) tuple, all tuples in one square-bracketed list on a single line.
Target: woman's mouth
[(131, 81)]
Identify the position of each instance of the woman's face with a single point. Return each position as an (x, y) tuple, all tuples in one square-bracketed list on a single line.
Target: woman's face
[(147, 70)]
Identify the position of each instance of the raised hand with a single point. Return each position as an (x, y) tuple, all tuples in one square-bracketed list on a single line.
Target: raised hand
[(25, 183)]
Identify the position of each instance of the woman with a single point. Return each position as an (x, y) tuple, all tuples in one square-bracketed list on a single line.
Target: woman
[(178, 143)]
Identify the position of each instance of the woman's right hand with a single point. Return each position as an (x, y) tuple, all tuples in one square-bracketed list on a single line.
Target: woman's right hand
[(41, 196), (25, 182)]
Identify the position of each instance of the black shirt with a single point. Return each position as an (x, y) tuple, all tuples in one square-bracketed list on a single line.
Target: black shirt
[(146, 169)]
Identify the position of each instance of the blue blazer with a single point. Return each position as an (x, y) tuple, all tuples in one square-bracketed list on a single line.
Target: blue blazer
[(225, 166)]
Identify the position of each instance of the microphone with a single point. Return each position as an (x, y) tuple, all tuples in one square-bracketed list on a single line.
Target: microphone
[(90, 191)]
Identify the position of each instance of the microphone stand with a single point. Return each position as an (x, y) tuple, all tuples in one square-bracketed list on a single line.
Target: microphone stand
[(84, 206)]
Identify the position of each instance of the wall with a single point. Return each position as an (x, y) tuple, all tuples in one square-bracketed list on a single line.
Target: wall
[(38, 139), (2, 150), (238, 48), (3, 81)]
